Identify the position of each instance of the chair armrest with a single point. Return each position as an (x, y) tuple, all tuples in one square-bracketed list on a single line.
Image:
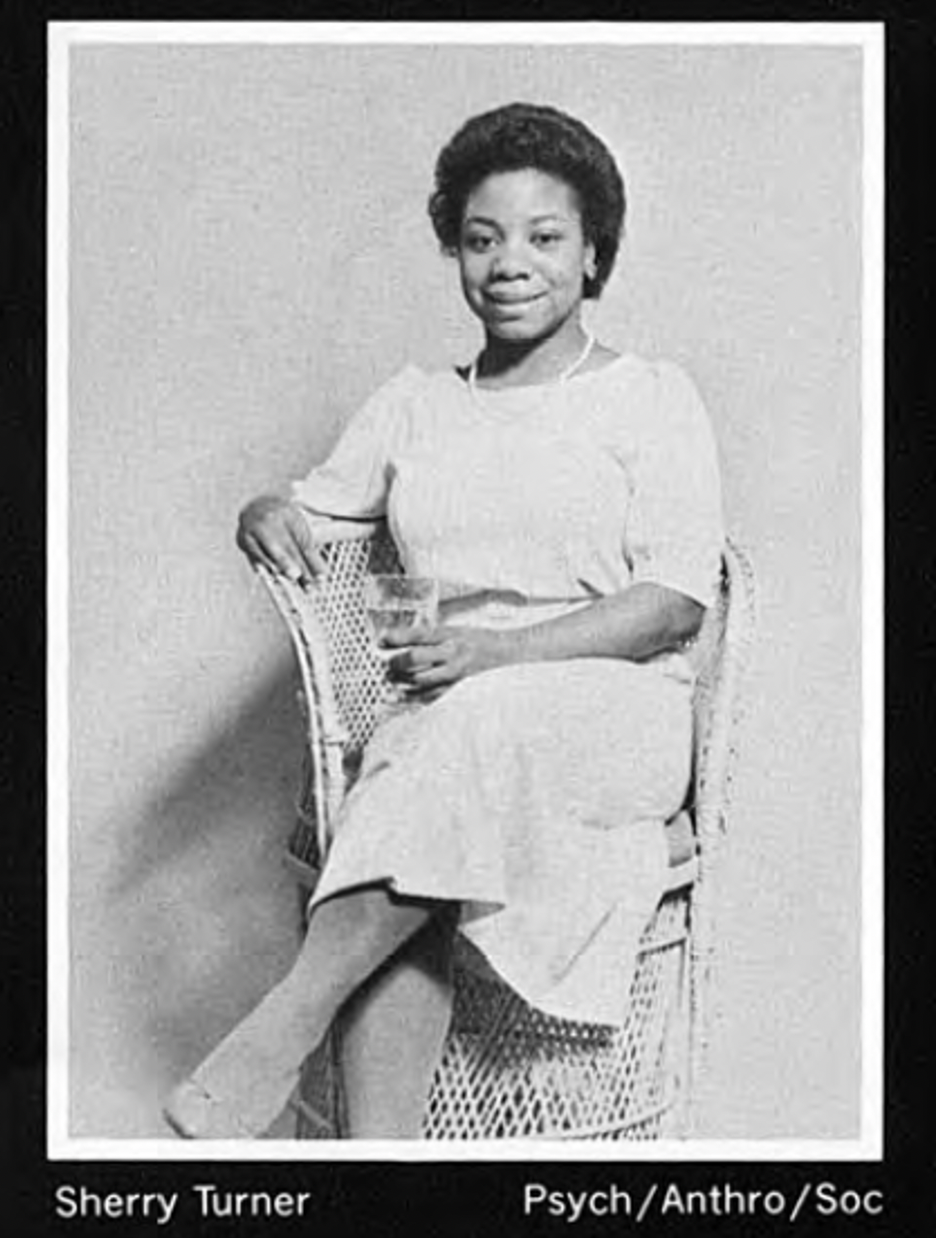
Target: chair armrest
[(326, 528)]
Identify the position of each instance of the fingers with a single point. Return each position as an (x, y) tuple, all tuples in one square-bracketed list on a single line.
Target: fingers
[(409, 662), (441, 656), (305, 553), (437, 676), (280, 557), (256, 552), (274, 534), (426, 667), (426, 680), (404, 637)]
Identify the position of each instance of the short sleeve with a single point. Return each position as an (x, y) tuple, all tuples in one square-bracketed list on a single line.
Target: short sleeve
[(353, 482), (675, 534)]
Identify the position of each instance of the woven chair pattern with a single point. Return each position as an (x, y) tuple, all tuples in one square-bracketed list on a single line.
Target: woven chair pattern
[(507, 1069)]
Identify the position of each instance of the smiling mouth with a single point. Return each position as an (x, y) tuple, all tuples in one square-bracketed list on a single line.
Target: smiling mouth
[(513, 302)]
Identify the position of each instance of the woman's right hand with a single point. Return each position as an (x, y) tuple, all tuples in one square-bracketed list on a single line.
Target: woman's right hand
[(273, 532)]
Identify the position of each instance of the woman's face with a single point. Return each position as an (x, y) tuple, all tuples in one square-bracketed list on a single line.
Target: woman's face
[(523, 255)]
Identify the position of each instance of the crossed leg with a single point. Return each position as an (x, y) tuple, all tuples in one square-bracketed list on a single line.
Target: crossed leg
[(243, 1085), (391, 1033)]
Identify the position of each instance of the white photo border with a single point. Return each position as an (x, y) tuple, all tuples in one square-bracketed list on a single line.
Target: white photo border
[(869, 36)]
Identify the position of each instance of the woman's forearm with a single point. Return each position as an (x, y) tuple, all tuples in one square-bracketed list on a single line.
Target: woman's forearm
[(637, 623)]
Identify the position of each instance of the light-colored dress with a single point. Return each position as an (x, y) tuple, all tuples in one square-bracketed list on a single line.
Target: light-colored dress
[(534, 795)]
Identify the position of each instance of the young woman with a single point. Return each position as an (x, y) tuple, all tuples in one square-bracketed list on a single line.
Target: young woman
[(567, 500)]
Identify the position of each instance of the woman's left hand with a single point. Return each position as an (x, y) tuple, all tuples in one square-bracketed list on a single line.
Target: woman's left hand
[(440, 656)]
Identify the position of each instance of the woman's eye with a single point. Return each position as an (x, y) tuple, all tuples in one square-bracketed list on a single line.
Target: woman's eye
[(477, 243), (546, 239)]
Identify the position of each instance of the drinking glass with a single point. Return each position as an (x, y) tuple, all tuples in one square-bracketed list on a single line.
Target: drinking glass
[(399, 604)]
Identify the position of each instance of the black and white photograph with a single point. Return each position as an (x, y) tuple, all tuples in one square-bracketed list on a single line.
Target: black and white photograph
[(465, 621)]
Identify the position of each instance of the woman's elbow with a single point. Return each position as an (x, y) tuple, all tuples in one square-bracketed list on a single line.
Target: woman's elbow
[(686, 615)]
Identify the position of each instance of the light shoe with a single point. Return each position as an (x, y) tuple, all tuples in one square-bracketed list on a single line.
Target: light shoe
[(194, 1113), (245, 1083)]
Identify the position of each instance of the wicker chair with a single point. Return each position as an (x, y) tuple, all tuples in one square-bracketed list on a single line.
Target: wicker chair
[(508, 1070)]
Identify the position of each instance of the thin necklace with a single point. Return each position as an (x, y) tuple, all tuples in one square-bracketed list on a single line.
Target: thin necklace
[(560, 378)]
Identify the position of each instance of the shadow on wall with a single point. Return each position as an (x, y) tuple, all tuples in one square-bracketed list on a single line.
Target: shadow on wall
[(200, 919), (249, 767)]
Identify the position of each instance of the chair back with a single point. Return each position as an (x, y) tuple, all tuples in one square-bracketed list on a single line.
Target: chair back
[(719, 656), (343, 680)]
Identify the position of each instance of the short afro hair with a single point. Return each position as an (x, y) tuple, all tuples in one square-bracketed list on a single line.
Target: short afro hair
[(528, 135)]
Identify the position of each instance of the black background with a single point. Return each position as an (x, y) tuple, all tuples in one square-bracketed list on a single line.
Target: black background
[(469, 1200)]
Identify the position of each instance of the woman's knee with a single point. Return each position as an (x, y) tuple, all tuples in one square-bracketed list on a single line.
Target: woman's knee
[(370, 919)]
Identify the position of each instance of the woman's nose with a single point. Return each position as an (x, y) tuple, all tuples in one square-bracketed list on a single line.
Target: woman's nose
[(510, 262)]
